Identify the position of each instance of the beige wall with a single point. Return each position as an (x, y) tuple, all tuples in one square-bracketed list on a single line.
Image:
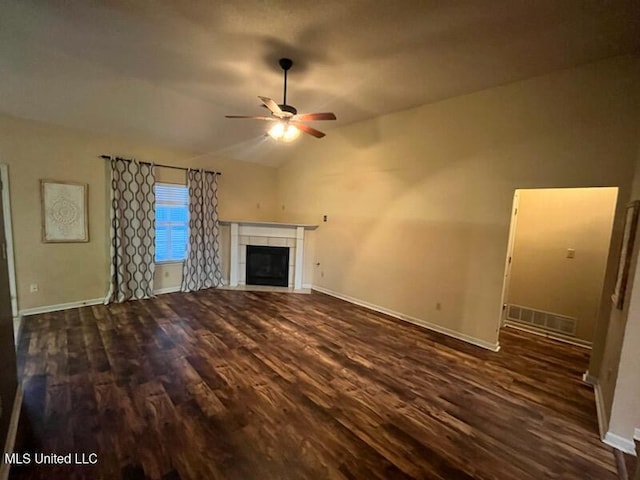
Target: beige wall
[(625, 401), (419, 201), (549, 222), (619, 379), (79, 271)]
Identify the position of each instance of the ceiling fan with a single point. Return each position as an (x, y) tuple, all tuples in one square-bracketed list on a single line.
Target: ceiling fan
[(288, 122)]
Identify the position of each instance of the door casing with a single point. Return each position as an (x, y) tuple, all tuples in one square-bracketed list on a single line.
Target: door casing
[(8, 231)]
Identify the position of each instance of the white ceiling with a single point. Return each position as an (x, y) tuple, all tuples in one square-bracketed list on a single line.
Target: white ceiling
[(168, 71)]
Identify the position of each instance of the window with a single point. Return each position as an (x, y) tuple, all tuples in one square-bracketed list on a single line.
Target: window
[(172, 222)]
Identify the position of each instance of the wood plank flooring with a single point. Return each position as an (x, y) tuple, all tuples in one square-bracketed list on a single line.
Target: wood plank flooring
[(260, 385)]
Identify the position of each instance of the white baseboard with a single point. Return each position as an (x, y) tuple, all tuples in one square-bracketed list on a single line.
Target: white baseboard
[(161, 291), (17, 325), (82, 303), (407, 318), (60, 306), (11, 433), (624, 444), (559, 338), (590, 379), (603, 424), (267, 288), (611, 439)]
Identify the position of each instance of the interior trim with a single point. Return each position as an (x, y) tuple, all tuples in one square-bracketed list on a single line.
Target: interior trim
[(571, 341), (494, 347), (616, 441), (600, 411), (60, 306), (8, 233), (161, 291), (83, 303), (11, 433), (621, 443)]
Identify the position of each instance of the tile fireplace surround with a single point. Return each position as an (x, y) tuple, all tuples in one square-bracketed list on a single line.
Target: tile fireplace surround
[(289, 235)]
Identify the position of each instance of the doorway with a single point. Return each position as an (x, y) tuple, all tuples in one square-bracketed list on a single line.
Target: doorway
[(8, 310), (556, 261)]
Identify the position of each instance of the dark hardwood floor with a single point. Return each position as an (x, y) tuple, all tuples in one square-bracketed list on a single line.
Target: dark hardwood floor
[(241, 385)]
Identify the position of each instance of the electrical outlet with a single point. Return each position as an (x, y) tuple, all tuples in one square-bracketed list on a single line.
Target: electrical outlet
[(33, 288), (438, 306), (324, 218), (571, 253)]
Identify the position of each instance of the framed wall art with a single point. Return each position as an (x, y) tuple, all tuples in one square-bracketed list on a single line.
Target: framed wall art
[(64, 212), (628, 238)]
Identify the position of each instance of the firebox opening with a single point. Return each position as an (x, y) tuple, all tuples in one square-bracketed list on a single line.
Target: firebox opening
[(267, 266)]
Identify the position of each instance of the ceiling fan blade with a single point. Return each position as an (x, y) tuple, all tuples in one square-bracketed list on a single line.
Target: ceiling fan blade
[(309, 117), (273, 106), (251, 116), (308, 129)]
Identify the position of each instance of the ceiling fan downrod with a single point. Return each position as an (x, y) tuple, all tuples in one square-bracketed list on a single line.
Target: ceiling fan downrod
[(286, 64)]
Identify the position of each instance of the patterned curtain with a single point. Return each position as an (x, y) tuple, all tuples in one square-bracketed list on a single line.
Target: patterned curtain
[(202, 266), (133, 232)]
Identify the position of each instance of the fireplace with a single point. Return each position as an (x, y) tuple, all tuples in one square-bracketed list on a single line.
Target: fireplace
[(268, 234), (267, 266)]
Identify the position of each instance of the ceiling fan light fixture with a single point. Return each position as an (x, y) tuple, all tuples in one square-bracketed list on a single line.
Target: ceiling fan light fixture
[(291, 133), (288, 123), (284, 132)]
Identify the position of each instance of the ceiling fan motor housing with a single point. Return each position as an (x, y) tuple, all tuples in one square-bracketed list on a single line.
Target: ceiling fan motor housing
[(289, 109)]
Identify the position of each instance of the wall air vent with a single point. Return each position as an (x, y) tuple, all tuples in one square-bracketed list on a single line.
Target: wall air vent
[(552, 322)]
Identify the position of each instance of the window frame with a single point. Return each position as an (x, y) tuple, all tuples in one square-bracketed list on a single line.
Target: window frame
[(171, 261)]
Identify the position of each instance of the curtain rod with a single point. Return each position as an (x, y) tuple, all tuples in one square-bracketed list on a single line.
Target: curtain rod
[(109, 157)]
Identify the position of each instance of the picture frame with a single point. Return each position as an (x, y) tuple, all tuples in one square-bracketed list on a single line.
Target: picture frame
[(626, 251), (65, 216)]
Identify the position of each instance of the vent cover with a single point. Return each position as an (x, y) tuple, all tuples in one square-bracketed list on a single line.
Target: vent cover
[(543, 320)]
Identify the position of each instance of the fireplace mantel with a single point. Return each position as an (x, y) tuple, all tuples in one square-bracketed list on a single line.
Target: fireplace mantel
[(250, 223), (245, 233)]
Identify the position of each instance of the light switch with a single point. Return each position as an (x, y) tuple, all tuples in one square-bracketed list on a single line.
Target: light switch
[(571, 253)]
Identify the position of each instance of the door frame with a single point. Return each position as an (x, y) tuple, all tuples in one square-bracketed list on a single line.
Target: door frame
[(502, 320), (8, 232), (508, 260)]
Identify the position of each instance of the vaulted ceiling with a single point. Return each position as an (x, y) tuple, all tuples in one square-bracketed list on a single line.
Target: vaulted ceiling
[(168, 71)]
